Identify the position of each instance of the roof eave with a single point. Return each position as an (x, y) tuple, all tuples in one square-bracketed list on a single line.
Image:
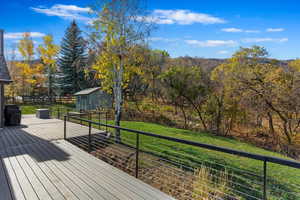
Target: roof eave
[(5, 81)]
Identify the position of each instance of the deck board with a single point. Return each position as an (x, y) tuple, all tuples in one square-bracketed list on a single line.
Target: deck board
[(26, 186), (37, 186), (70, 182), (37, 165), (53, 178), (4, 187), (115, 174), (44, 179), (12, 180), (108, 183)]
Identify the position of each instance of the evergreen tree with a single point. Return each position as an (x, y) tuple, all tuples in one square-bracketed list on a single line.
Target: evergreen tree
[(72, 61)]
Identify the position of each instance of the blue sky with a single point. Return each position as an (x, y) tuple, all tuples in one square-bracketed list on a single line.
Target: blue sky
[(210, 29)]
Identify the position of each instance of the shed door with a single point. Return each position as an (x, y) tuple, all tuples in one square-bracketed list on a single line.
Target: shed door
[(84, 102)]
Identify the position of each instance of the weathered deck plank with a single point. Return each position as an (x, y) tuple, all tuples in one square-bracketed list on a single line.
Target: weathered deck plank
[(26, 187), (44, 179), (70, 182), (114, 174), (4, 186), (95, 189), (53, 178), (13, 182), (109, 185), (38, 187), (36, 165)]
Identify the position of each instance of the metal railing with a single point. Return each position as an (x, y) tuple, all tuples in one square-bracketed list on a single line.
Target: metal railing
[(260, 188)]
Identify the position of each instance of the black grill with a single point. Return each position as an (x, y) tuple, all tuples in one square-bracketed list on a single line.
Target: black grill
[(12, 115)]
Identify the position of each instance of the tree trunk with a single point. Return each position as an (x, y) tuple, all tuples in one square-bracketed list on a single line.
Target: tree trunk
[(184, 115), (259, 120), (284, 121), (286, 132), (118, 99), (271, 126), (50, 86), (219, 113), (199, 113)]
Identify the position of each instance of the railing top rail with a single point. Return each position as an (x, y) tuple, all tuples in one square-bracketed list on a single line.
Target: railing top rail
[(271, 159)]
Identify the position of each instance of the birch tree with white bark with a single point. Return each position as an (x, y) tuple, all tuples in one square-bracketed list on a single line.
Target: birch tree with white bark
[(117, 28)]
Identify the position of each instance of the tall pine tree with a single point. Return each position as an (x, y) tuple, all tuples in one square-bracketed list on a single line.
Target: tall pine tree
[(72, 61)]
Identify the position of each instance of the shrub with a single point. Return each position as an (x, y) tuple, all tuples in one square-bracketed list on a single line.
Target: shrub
[(209, 185)]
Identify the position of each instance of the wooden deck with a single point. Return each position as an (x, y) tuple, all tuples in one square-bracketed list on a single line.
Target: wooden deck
[(37, 164)]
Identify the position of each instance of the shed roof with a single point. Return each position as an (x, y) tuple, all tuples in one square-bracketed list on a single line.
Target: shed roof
[(87, 91)]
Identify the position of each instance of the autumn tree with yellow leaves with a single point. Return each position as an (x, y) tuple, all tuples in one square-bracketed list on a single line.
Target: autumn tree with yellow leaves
[(48, 53), (31, 74), (257, 86)]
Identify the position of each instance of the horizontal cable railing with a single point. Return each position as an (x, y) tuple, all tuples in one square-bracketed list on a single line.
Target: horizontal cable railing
[(188, 169)]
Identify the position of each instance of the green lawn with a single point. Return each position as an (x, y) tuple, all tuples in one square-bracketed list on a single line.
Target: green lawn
[(31, 109)]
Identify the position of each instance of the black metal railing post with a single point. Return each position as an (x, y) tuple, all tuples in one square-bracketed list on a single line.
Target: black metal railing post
[(80, 117), (137, 155), (99, 120), (65, 127), (106, 122), (90, 138), (265, 180), (68, 114), (58, 113)]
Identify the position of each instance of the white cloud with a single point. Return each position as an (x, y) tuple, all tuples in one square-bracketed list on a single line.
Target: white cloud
[(251, 31), (223, 52), (232, 30), (20, 35), (182, 17), (161, 39), (65, 11), (275, 29), (257, 40), (71, 8), (238, 30), (212, 43)]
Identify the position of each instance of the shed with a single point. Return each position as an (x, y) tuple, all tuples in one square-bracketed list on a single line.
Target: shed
[(4, 77), (92, 98)]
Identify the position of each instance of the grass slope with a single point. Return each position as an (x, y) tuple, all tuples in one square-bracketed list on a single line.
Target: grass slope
[(281, 179), (31, 109)]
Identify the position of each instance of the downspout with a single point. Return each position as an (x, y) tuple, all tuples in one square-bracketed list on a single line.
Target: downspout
[(1, 83)]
